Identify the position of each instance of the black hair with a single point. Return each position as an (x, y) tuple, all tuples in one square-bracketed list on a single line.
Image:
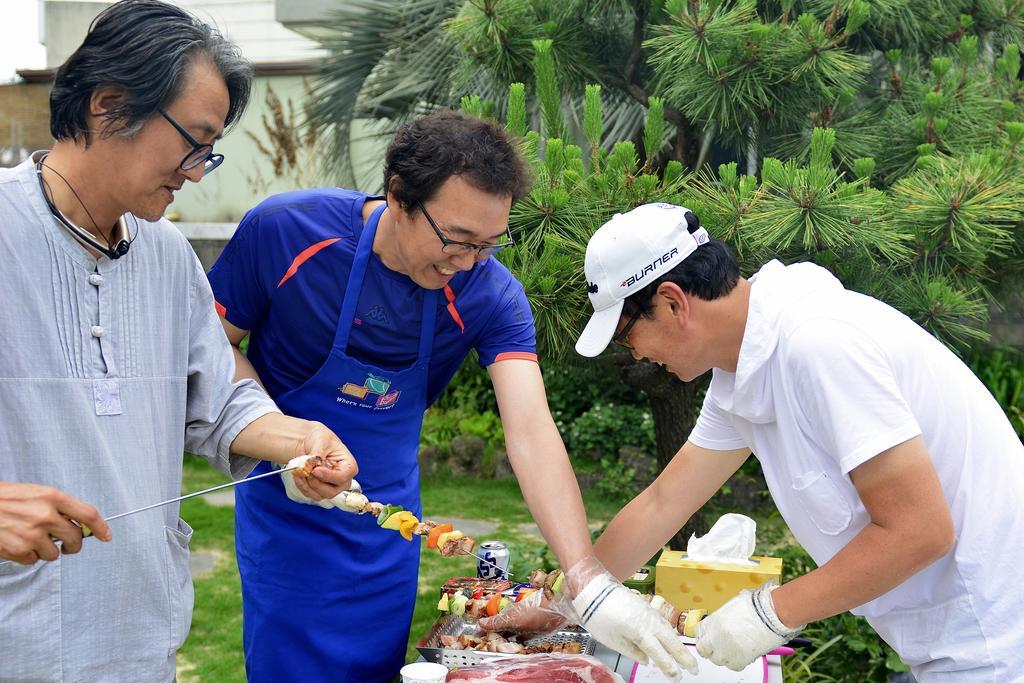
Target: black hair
[(431, 149), (144, 47), (708, 273)]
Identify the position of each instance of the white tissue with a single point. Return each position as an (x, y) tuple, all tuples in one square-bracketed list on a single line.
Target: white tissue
[(731, 539)]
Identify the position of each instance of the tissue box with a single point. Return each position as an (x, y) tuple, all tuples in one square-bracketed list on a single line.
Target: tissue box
[(689, 584)]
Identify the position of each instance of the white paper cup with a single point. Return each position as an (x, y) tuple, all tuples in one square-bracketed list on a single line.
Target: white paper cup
[(424, 672)]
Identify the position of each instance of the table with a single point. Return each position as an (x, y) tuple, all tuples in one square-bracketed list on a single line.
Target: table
[(623, 666), (767, 671)]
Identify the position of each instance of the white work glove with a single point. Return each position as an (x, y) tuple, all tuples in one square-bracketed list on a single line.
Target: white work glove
[(292, 489), (350, 501), (621, 619), (743, 629)]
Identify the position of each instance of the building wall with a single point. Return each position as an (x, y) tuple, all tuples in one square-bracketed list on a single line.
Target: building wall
[(208, 251), (252, 26), (247, 175), (65, 23), (305, 17), (24, 120), (206, 212)]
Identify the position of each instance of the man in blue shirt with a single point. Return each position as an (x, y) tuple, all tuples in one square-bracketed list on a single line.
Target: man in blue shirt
[(360, 310)]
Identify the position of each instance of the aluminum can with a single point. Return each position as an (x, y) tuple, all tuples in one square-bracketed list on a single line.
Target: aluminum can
[(496, 552)]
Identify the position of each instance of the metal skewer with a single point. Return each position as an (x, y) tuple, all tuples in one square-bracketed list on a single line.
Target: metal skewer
[(86, 532), (199, 493)]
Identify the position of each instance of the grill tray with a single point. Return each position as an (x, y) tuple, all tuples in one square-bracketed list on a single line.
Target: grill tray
[(451, 625)]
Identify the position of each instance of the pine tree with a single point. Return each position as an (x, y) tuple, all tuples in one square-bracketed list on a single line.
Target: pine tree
[(935, 243), (752, 76), (881, 140)]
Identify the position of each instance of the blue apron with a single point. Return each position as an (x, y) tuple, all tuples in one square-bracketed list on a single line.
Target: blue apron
[(328, 595)]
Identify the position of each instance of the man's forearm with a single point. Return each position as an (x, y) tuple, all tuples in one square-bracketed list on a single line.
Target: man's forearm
[(910, 528), (537, 454), (275, 437), (873, 563), (552, 494), (634, 535), (692, 476)]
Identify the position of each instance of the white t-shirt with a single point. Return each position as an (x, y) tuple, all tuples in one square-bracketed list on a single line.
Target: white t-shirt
[(827, 379)]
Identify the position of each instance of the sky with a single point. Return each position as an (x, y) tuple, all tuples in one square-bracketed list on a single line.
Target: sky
[(19, 38)]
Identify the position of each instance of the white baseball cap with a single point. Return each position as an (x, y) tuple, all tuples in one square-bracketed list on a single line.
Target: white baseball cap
[(627, 253)]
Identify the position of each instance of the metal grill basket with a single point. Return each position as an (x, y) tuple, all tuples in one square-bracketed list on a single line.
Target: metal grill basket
[(450, 625)]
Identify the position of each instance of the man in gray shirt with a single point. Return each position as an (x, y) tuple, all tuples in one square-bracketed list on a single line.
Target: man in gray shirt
[(114, 359)]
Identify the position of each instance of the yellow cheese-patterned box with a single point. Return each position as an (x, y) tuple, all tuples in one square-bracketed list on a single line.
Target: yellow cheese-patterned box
[(689, 584)]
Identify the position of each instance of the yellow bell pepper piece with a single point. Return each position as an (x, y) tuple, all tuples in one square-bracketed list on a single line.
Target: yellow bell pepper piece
[(395, 521), (693, 618), (407, 527)]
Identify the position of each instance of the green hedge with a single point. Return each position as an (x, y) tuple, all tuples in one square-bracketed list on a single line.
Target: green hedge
[(1002, 371)]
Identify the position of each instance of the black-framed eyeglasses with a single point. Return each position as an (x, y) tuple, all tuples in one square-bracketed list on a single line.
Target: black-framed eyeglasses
[(622, 336), (200, 154), (456, 248)]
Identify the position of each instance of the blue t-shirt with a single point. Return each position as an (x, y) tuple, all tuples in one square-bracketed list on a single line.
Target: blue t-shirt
[(283, 274)]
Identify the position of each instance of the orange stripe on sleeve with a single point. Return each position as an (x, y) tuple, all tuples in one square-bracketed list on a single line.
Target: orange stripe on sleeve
[(450, 295), (306, 254), (221, 311), (516, 355)]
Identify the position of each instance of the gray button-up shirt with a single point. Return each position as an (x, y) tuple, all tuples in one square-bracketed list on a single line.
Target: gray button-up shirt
[(108, 370)]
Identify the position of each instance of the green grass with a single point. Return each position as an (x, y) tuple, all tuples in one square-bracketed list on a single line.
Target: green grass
[(497, 500), (213, 651)]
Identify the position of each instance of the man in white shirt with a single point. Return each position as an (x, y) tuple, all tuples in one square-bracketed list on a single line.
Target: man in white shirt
[(890, 462)]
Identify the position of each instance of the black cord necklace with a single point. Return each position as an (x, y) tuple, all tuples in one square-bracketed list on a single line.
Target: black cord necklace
[(79, 233)]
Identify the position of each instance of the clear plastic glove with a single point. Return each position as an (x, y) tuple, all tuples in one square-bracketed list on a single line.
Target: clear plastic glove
[(621, 619), (532, 616), (743, 629)]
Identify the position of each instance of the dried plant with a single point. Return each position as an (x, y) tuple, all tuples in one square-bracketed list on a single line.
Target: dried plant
[(289, 146)]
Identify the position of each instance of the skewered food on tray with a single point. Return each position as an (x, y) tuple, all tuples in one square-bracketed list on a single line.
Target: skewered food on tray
[(477, 598), (495, 642), (443, 639), (549, 582)]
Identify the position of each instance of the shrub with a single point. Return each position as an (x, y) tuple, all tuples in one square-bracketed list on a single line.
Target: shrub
[(486, 425), (470, 389), (605, 428), (595, 439), (574, 389), (1002, 371), (439, 428), (586, 402), (616, 480)]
